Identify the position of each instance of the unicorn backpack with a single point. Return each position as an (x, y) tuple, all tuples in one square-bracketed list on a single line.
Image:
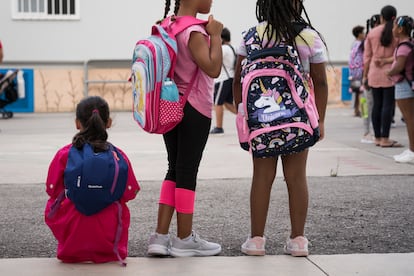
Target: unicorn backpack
[(157, 103), (278, 114)]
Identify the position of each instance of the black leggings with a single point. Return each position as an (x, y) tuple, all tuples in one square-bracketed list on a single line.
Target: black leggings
[(185, 145), (382, 111)]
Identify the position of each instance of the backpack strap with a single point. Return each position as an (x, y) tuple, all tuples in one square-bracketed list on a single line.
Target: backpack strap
[(118, 234), (177, 24), (410, 45), (56, 205), (235, 60)]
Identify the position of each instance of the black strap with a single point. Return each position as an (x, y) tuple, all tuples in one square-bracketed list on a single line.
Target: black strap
[(235, 60)]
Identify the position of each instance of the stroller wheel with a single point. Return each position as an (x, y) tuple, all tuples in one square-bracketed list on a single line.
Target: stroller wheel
[(7, 115)]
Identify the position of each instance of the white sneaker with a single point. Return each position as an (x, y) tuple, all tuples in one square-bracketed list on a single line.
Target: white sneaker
[(254, 246), (297, 247), (159, 245), (193, 245), (367, 139), (405, 157)]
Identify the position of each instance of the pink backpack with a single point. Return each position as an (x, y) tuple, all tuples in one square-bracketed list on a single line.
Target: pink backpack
[(157, 103), (277, 115)]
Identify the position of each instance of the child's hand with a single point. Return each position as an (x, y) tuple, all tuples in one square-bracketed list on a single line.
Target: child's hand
[(213, 26)]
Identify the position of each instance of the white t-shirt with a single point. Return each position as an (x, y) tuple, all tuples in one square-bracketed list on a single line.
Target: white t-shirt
[(310, 47), (228, 62)]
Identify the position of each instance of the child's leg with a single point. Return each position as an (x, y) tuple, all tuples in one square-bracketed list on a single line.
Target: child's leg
[(407, 109), (193, 135), (165, 214), (264, 172), (294, 170)]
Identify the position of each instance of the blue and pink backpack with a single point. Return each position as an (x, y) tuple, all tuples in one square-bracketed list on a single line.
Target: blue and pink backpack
[(157, 103), (278, 115)]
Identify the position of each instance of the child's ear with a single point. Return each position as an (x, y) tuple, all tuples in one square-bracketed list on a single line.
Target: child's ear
[(109, 124), (78, 124)]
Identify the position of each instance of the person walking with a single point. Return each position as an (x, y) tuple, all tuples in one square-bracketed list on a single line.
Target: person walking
[(223, 87)]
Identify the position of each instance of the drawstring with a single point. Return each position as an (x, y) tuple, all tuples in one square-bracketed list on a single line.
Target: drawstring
[(118, 234), (55, 206)]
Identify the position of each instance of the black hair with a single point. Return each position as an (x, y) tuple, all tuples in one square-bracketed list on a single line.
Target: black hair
[(371, 23), (225, 35), (407, 23), (280, 14), (388, 13), (168, 7), (357, 30), (374, 21), (93, 114)]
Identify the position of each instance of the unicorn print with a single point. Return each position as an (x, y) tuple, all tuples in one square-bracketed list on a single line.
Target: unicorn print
[(267, 100)]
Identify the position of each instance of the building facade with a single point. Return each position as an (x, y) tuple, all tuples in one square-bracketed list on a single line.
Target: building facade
[(78, 47)]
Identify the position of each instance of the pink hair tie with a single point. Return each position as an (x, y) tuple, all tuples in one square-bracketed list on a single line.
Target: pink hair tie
[(95, 111)]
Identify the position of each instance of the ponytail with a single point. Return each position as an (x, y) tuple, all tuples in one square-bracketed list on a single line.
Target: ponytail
[(388, 13), (93, 115)]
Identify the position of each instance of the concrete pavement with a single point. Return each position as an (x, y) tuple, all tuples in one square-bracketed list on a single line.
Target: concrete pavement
[(29, 141)]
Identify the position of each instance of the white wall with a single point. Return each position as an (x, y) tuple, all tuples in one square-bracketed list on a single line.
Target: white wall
[(109, 29)]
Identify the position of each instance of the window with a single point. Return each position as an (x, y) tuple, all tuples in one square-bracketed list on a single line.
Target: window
[(46, 9)]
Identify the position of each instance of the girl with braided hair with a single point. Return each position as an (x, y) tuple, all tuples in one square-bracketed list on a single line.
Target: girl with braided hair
[(401, 73), (199, 50), (281, 23)]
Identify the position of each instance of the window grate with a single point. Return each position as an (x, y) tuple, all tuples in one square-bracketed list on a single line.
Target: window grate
[(46, 9)]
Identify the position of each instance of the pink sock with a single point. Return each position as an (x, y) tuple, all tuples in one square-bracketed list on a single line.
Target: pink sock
[(167, 193), (184, 201)]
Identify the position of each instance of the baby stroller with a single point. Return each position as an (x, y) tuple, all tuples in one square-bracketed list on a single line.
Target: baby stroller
[(8, 92)]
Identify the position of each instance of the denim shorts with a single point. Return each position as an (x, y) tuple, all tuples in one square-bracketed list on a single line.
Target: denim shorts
[(403, 90)]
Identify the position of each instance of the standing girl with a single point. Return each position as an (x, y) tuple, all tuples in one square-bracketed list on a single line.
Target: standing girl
[(402, 75), (277, 25), (378, 49), (199, 50), (103, 236)]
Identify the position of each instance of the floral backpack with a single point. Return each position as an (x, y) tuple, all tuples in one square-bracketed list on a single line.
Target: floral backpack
[(356, 62)]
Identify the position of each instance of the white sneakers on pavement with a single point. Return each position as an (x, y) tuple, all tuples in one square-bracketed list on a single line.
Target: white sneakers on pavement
[(166, 245), (193, 245), (159, 245), (297, 247), (406, 156), (254, 246)]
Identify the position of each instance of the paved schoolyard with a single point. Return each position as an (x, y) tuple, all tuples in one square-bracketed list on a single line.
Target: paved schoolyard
[(367, 208)]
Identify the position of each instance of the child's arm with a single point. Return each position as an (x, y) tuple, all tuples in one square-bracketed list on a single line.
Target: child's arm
[(54, 181), (318, 75), (237, 95), (132, 185), (208, 57), (398, 67)]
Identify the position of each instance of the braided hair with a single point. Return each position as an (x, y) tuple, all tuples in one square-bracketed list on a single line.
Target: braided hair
[(280, 14), (93, 114), (168, 7)]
